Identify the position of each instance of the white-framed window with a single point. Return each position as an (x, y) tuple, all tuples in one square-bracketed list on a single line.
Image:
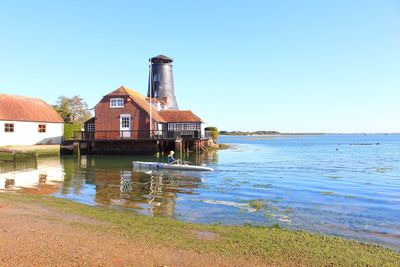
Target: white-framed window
[(183, 126), (116, 103), (90, 127), (126, 122)]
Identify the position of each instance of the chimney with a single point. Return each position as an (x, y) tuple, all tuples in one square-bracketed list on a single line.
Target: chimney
[(161, 81)]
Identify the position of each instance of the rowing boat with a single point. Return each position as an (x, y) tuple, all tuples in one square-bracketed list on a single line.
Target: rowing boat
[(165, 166)]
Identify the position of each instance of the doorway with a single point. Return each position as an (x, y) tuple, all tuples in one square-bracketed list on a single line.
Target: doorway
[(125, 126)]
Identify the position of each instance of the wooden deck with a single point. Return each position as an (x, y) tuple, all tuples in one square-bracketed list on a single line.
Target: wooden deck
[(138, 135), (138, 142)]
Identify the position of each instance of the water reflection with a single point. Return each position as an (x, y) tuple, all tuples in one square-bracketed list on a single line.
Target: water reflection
[(111, 181), (74, 179), (105, 181), (300, 183), (27, 165), (31, 175), (149, 194)]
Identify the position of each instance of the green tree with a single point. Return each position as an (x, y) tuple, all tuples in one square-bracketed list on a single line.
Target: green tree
[(214, 132), (73, 109)]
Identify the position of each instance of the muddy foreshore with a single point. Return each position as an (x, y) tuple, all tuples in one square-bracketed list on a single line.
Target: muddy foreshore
[(46, 231)]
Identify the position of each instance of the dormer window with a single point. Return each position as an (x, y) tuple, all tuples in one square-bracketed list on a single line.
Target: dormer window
[(116, 103)]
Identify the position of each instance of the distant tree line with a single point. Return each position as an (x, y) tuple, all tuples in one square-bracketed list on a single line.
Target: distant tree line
[(249, 133)]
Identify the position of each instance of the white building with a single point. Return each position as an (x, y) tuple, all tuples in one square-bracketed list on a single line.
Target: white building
[(28, 121)]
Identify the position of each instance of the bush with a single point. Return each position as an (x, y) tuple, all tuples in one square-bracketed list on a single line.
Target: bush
[(69, 130), (214, 132)]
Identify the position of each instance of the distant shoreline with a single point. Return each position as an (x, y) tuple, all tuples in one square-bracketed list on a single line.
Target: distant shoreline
[(235, 133), (272, 135)]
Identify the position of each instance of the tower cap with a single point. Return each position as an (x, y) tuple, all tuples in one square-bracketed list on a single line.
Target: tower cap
[(161, 59)]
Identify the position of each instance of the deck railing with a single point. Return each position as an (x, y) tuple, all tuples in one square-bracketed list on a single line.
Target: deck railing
[(136, 135)]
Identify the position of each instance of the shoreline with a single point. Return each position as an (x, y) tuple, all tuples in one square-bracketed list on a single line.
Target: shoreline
[(38, 150), (197, 244), (307, 134)]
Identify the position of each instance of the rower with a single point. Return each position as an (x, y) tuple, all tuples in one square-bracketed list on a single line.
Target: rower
[(171, 159)]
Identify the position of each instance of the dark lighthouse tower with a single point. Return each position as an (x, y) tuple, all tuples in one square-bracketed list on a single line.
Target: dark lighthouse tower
[(161, 81)]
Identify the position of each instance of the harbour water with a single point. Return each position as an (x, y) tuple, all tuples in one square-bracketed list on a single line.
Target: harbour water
[(342, 185)]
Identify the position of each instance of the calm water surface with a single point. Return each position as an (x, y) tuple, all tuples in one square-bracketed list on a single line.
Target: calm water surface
[(344, 185)]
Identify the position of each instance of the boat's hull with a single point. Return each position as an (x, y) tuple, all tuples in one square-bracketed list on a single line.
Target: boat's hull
[(164, 166)]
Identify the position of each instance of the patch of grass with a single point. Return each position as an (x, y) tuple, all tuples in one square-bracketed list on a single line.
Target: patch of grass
[(273, 245), (382, 170), (287, 211), (276, 226), (256, 204), (223, 146)]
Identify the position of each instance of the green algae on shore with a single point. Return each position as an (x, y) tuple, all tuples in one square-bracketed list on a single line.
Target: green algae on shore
[(272, 245)]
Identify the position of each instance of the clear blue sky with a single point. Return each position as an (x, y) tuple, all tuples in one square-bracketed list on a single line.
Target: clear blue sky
[(291, 66)]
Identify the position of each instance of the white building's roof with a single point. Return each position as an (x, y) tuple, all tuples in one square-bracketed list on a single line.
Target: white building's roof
[(21, 108)]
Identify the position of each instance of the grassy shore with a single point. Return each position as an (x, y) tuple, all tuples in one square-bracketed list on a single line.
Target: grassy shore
[(258, 245), (38, 150)]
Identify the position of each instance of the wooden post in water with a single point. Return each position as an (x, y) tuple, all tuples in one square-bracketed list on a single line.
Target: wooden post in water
[(181, 152), (178, 147), (77, 149), (162, 147)]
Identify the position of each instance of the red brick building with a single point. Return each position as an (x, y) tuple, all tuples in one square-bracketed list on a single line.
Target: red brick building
[(126, 115)]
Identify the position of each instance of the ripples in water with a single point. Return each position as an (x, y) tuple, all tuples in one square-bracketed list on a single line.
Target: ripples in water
[(317, 183)]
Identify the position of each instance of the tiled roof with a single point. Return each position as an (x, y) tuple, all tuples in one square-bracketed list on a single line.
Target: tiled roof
[(155, 101), (21, 108), (139, 99), (179, 116), (160, 116)]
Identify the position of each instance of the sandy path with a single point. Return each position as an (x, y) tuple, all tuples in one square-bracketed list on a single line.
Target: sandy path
[(33, 235)]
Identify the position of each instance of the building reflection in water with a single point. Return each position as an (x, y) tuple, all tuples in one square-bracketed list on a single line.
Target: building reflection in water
[(111, 181), (74, 175), (32, 175), (105, 180), (148, 194)]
